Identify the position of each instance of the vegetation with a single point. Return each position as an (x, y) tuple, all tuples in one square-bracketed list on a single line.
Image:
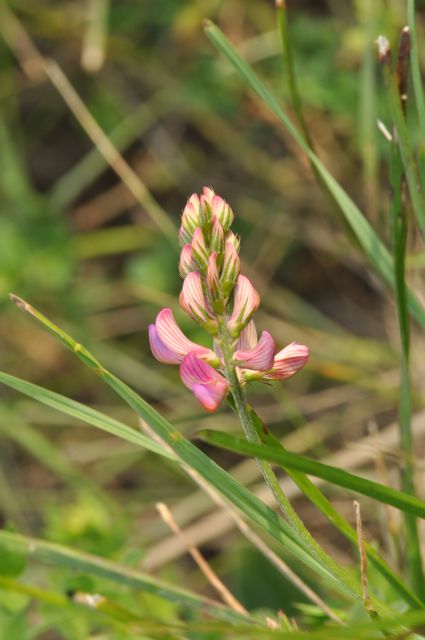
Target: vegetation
[(126, 510)]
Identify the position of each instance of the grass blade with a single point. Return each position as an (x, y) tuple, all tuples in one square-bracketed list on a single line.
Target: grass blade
[(82, 412), (339, 477), (399, 223), (94, 565), (372, 246), (314, 494), (416, 71)]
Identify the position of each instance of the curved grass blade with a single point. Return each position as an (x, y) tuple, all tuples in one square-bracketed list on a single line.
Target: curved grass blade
[(60, 555), (371, 244), (315, 495), (380, 492), (241, 497), (83, 413)]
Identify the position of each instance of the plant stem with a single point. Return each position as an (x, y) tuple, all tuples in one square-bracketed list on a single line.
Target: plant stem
[(399, 239), (246, 418)]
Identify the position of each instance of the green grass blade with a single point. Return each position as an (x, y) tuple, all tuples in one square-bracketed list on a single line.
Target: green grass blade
[(404, 143), (399, 223), (83, 413), (315, 495), (94, 565), (372, 246), (380, 492), (416, 71), (241, 497)]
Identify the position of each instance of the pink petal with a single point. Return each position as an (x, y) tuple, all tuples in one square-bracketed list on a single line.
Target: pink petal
[(260, 358), (230, 269), (186, 263), (248, 337), (192, 298), (208, 386), (288, 361), (245, 303), (199, 249), (173, 337), (212, 274), (221, 209), (160, 350), (217, 236), (208, 194)]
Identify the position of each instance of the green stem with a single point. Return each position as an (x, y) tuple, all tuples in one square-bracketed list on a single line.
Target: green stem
[(399, 240), (290, 70), (245, 415)]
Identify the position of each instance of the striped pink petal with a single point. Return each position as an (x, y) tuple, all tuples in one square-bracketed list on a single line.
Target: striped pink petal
[(199, 249), (260, 358), (173, 338), (208, 386), (288, 361), (186, 264), (212, 274), (248, 337), (192, 298), (208, 194), (221, 209), (160, 349), (245, 303)]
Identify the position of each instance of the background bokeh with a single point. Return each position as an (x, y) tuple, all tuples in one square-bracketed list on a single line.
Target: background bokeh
[(77, 244)]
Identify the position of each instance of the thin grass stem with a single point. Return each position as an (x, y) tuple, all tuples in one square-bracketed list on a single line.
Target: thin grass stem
[(399, 241)]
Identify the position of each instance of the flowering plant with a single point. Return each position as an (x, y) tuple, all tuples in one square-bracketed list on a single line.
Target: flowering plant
[(222, 300)]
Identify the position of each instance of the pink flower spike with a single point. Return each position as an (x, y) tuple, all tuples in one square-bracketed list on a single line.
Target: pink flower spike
[(173, 339), (186, 262), (160, 350), (260, 358), (192, 298), (288, 361), (248, 337), (245, 303), (208, 386)]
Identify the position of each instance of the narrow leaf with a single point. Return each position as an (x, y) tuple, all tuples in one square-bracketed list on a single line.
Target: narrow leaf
[(380, 492)]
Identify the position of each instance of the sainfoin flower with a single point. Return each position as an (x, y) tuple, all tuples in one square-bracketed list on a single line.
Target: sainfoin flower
[(222, 300)]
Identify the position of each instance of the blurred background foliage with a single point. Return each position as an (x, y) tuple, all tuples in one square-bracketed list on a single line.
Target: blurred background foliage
[(76, 243)]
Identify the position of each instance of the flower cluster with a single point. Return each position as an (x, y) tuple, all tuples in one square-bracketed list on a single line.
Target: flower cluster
[(222, 300)]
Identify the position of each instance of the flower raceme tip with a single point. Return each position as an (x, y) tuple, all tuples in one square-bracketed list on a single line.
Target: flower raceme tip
[(222, 300)]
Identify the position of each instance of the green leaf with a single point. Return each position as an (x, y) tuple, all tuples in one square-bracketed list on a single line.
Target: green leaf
[(335, 476), (372, 246)]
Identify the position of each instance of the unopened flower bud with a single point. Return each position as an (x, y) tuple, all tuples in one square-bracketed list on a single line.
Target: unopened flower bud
[(193, 301), (199, 250), (206, 202), (190, 219), (233, 239), (217, 236), (221, 209), (230, 270), (213, 284), (246, 301), (186, 264)]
